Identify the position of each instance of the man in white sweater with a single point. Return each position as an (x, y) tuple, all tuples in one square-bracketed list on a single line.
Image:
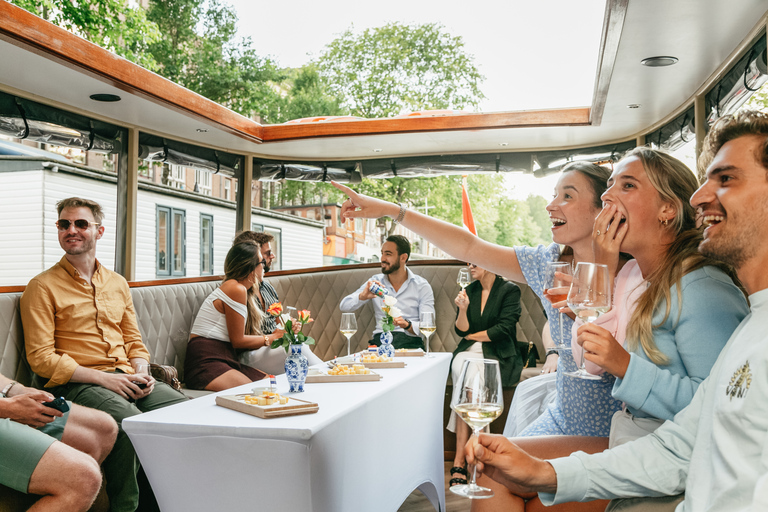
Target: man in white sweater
[(716, 449)]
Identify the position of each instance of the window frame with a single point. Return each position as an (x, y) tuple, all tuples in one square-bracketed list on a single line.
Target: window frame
[(172, 214), (209, 218), (277, 245)]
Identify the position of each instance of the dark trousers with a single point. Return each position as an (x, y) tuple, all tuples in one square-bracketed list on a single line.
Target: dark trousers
[(122, 464), (400, 340)]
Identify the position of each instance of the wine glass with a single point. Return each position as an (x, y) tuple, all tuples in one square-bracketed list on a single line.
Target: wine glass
[(478, 400), (590, 296), (551, 280), (464, 278), (427, 326), (348, 327)]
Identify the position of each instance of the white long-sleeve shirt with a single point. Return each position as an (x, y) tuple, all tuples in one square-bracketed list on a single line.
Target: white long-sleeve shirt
[(716, 449), (413, 298)]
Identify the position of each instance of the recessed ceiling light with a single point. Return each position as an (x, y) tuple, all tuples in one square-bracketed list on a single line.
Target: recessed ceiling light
[(378, 150), (659, 62), (105, 97), (202, 130), (504, 144), (633, 105)]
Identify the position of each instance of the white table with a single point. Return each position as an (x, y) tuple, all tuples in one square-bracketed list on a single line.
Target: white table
[(369, 446)]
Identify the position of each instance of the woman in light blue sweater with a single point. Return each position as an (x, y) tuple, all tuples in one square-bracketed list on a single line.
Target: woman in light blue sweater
[(673, 311)]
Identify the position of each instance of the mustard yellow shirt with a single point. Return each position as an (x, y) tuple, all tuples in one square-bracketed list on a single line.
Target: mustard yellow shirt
[(67, 322)]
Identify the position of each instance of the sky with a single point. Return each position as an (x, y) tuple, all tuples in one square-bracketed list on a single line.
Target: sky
[(531, 58)]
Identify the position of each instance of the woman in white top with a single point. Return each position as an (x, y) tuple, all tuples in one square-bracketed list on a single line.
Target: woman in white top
[(229, 320)]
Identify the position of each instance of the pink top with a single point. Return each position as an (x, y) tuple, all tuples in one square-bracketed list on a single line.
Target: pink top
[(628, 286)]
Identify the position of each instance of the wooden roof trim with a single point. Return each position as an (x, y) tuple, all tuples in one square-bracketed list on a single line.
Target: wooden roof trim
[(21, 28), (314, 270), (519, 119), (24, 29)]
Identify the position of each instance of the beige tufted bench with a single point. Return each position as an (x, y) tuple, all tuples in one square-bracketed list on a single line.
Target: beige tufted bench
[(165, 312)]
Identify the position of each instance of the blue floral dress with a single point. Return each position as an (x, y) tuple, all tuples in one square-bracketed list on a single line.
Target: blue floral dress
[(582, 407)]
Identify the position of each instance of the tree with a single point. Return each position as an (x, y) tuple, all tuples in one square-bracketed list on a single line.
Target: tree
[(112, 24), (308, 95), (537, 207), (397, 68), (199, 51)]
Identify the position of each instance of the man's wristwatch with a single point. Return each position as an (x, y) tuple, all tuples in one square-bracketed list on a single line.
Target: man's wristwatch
[(550, 352), (407, 327), (7, 389)]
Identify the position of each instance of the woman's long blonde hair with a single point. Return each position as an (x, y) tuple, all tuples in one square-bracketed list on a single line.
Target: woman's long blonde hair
[(241, 260), (675, 183)]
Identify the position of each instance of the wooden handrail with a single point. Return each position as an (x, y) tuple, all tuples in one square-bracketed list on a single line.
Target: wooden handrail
[(519, 119), (277, 273)]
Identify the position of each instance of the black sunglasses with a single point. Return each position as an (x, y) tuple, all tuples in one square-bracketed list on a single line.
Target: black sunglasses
[(262, 262), (81, 224), (471, 265)]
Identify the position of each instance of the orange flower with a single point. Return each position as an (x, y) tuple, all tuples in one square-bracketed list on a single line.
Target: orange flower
[(275, 309), (304, 316)]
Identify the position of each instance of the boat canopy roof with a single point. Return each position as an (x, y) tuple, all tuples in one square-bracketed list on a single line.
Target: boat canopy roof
[(48, 75)]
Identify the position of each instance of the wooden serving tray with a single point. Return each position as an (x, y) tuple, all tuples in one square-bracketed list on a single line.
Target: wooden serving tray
[(388, 364), (410, 352), (292, 408), (323, 377)]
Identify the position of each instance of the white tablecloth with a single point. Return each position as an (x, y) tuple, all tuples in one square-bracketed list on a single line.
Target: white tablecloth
[(369, 446)]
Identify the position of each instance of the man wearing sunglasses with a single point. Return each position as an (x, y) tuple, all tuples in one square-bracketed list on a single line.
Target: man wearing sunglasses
[(83, 341)]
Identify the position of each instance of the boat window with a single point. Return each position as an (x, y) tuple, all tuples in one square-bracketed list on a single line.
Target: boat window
[(206, 244), (171, 236), (745, 77)]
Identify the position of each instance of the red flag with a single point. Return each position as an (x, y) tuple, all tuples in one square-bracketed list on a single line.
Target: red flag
[(466, 210)]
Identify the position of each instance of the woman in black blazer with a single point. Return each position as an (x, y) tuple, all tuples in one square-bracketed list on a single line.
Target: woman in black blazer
[(488, 311)]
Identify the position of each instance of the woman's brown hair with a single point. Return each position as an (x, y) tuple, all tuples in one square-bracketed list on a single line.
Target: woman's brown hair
[(241, 260)]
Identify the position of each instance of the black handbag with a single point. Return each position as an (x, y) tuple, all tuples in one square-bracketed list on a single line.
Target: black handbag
[(529, 353)]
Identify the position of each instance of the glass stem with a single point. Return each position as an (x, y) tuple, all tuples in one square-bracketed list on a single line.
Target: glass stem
[(562, 340), (349, 347), (473, 483)]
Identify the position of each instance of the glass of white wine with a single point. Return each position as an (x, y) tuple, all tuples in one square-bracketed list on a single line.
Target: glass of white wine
[(427, 326), (478, 399), (464, 278), (589, 297), (348, 328), (554, 281)]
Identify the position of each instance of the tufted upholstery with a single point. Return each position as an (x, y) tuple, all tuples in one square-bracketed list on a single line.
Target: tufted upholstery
[(321, 293), (165, 314), (13, 360)]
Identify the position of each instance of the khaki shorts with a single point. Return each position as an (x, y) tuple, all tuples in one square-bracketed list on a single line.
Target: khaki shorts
[(22, 447)]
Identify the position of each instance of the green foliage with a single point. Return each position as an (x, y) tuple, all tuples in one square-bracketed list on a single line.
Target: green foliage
[(758, 101), (199, 50), (307, 95), (537, 206), (112, 24), (397, 68)]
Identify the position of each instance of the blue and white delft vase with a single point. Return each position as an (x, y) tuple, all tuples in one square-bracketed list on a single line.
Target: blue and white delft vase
[(296, 368), (386, 348)]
